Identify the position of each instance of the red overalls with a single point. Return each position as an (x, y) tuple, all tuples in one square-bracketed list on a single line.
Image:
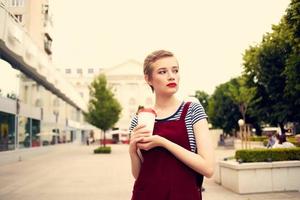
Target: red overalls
[(162, 176)]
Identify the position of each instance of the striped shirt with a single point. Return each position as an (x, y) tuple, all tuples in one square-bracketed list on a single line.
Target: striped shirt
[(194, 114)]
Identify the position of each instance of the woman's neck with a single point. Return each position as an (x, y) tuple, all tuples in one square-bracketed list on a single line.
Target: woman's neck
[(163, 102)]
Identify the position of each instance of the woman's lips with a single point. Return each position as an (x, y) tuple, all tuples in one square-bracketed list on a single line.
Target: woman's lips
[(172, 85)]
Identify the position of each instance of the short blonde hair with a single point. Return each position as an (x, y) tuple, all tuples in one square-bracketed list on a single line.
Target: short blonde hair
[(152, 58)]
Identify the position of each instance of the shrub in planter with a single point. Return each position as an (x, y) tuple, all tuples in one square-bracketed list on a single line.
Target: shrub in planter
[(258, 138), (294, 141), (102, 150), (268, 155)]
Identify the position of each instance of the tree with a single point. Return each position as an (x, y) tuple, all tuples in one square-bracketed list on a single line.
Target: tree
[(103, 108), (203, 98), (222, 111), (292, 70), (273, 67), (241, 94)]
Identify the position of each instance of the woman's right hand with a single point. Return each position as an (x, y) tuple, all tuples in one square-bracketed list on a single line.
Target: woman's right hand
[(137, 134)]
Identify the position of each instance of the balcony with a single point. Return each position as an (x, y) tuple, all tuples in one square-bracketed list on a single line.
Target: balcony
[(47, 44), (18, 49)]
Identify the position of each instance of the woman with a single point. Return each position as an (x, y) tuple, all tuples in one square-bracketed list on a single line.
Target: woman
[(170, 164)]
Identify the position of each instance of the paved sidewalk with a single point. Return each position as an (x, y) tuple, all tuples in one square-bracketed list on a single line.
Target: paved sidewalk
[(72, 172)]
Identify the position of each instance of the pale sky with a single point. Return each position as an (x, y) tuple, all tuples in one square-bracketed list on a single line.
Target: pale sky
[(207, 36)]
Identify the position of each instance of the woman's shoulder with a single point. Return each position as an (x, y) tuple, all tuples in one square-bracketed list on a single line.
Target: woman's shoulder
[(133, 123), (196, 112), (196, 107)]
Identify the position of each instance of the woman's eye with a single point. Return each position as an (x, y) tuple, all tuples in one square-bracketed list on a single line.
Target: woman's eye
[(162, 72), (176, 71)]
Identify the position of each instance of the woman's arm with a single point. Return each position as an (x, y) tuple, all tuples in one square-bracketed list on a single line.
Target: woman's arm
[(135, 164), (136, 157), (202, 162)]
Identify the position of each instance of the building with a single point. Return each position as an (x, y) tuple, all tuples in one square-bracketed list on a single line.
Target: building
[(37, 105), (130, 88), (127, 83), (36, 19)]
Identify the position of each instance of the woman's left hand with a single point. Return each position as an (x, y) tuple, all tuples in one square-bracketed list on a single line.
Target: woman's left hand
[(150, 142)]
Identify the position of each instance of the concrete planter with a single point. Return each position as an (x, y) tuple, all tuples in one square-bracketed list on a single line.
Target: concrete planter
[(259, 177)]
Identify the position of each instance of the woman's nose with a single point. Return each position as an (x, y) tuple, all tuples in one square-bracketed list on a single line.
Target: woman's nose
[(171, 76)]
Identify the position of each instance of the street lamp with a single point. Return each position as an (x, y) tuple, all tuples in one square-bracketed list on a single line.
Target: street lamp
[(56, 114), (241, 123)]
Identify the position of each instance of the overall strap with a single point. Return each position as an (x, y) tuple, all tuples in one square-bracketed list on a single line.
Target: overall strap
[(184, 111)]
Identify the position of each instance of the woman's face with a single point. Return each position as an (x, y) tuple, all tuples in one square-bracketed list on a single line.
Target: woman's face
[(165, 76)]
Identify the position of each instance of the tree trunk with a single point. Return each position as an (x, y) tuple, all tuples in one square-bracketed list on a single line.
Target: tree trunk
[(242, 109), (104, 138), (283, 137)]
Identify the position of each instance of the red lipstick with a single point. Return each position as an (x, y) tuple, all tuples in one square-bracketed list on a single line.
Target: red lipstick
[(171, 84)]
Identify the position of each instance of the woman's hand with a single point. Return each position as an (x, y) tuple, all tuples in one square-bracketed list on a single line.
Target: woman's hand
[(137, 135), (147, 143)]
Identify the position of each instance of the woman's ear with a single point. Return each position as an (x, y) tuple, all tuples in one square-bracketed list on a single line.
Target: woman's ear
[(147, 79)]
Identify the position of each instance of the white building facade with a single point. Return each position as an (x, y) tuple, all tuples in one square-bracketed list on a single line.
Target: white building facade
[(37, 105), (126, 81)]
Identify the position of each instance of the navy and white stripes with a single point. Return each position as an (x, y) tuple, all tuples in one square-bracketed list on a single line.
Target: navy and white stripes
[(194, 114)]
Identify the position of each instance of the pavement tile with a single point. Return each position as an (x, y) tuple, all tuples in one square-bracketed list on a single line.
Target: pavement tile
[(74, 172)]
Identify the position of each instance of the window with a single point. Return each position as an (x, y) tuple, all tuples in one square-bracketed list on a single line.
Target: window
[(35, 129), (7, 131), (90, 70), (79, 71), (45, 12), (19, 17), (56, 102), (17, 3), (100, 70), (47, 43), (38, 103), (68, 71)]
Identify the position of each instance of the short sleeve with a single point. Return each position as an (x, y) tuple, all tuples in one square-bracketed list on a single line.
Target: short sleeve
[(198, 112), (133, 123)]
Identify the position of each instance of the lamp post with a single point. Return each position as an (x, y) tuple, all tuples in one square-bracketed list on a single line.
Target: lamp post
[(56, 114), (241, 123)]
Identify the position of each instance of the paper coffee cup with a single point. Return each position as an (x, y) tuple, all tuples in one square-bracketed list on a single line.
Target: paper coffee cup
[(146, 116)]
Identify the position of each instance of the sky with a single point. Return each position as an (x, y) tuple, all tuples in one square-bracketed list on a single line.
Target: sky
[(208, 37)]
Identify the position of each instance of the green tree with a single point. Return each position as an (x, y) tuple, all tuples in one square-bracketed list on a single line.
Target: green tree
[(103, 108), (222, 110), (241, 94), (292, 70), (272, 67), (203, 98)]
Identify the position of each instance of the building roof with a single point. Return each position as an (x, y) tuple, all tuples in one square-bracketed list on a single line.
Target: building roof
[(128, 68)]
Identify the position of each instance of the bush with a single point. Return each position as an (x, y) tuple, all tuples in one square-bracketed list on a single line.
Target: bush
[(102, 150), (267, 155), (258, 138), (265, 142), (293, 140)]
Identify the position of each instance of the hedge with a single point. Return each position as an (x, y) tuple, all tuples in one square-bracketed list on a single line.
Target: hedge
[(258, 138), (268, 155), (102, 150), (294, 141)]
